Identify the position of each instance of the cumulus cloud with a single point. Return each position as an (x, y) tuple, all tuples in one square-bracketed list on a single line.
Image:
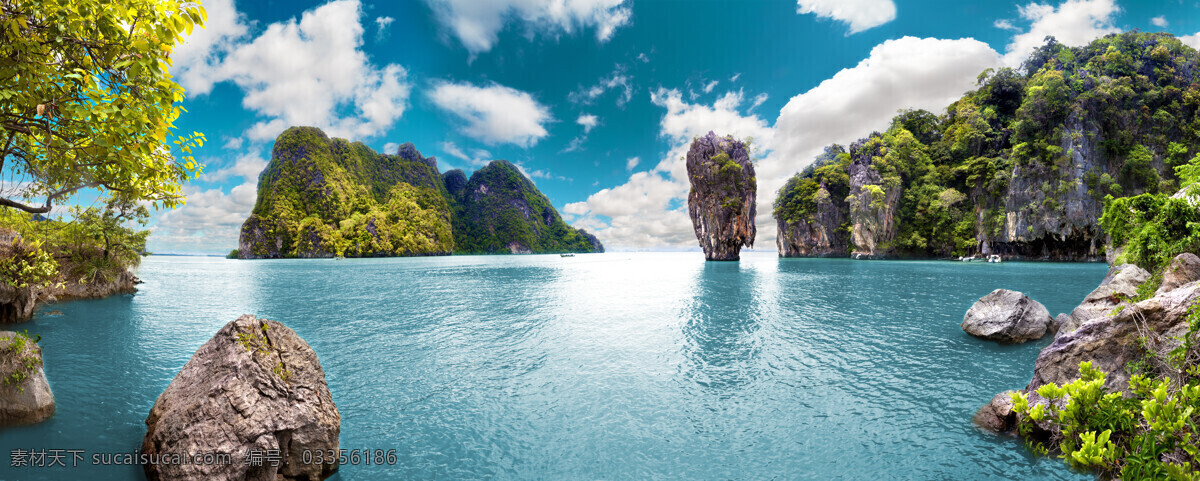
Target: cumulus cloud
[(1072, 23), (1191, 40), (477, 157), (758, 100), (1159, 21), (212, 218), (309, 71), (859, 15), (708, 88), (649, 210), (632, 162), (493, 114), (477, 24), (588, 121)]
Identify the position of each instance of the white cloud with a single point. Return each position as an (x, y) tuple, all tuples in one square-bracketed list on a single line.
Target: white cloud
[(381, 26), (858, 14), (477, 24), (735, 77), (390, 148), (708, 88), (758, 100), (309, 71), (234, 143), (477, 157), (1159, 21), (212, 218), (196, 62), (643, 57), (494, 114), (588, 121), (247, 166), (617, 81), (649, 210), (1191, 40), (1072, 23), (1004, 24)]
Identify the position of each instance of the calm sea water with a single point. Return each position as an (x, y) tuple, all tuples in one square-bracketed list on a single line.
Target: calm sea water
[(605, 366)]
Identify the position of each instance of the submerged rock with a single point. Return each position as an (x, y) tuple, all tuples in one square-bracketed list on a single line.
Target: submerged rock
[(25, 396), (721, 201), (997, 415), (1007, 316), (255, 386)]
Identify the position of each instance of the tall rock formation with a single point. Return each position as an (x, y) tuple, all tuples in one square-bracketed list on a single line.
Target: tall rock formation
[(721, 200), (1019, 167)]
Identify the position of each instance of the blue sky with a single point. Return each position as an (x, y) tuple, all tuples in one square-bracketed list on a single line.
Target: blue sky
[(595, 99)]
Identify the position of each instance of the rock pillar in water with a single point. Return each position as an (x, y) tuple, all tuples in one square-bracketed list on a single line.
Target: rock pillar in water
[(721, 201)]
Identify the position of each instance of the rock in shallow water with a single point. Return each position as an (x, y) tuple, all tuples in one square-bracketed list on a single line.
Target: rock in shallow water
[(1007, 316), (24, 398), (254, 387), (721, 201)]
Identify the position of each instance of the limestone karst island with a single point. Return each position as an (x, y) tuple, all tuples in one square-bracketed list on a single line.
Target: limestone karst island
[(599, 239)]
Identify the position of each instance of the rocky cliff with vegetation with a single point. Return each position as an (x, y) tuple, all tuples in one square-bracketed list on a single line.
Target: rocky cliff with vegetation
[(1018, 167), (721, 198), (326, 197)]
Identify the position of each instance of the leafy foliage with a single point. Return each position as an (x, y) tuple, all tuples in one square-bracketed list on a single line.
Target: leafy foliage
[(87, 100), (1129, 97)]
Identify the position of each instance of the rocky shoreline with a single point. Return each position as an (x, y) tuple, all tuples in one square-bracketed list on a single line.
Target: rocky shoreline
[(18, 305), (1104, 330)]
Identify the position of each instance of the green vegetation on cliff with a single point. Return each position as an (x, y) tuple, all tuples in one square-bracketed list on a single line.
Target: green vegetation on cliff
[(1020, 165), (499, 210), (322, 197)]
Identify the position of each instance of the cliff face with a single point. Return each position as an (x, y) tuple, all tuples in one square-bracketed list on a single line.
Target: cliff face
[(1019, 167), (721, 200), (322, 197), (499, 210)]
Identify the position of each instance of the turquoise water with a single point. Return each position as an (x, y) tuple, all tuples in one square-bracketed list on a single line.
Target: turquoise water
[(603, 366)]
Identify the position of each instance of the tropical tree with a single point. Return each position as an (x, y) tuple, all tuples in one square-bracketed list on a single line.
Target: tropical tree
[(86, 100)]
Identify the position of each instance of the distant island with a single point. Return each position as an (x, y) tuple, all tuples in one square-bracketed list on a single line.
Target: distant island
[(1018, 167), (323, 197)]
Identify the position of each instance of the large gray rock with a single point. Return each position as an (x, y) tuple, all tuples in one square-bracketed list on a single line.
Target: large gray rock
[(722, 196), (255, 386), (1183, 269), (1121, 282), (25, 396), (1007, 316), (1110, 341)]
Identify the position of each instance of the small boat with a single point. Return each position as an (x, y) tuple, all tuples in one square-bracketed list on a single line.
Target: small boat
[(566, 255), (994, 258)]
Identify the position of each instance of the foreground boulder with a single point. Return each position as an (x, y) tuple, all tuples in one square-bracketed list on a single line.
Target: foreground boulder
[(721, 200), (1007, 316), (254, 387), (25, 396)]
